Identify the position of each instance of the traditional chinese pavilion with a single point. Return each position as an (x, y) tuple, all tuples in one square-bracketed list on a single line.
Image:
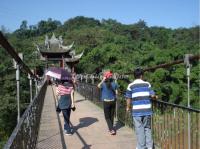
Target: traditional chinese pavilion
[(54, 50)]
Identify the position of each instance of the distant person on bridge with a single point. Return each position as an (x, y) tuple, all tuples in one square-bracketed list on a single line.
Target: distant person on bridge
[(139, 95), (108, 95), (66, 102)]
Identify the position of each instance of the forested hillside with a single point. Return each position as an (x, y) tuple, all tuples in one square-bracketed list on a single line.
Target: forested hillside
[(107, 44)]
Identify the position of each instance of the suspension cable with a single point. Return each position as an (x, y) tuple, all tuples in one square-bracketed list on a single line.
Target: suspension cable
[(165, 65), (6, 45)]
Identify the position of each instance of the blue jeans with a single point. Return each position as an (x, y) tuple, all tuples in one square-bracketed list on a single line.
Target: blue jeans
[(143, 131), (66, 115)]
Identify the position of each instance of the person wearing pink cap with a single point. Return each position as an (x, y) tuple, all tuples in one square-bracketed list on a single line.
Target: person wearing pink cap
[(108, 96)]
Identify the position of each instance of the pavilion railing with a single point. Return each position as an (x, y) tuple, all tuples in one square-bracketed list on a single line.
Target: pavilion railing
[(25, 134), (169, 121)]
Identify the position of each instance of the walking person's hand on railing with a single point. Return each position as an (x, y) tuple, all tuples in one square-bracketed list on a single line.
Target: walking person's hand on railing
[(154, 97)]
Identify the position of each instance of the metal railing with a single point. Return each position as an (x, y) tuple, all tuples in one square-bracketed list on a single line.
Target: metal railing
[(92, 92), (170, 126), (25, 134), (169, 121)]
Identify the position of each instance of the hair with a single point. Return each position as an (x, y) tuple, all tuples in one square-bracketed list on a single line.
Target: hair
[(64, 82), (108, 82), (138, 72)]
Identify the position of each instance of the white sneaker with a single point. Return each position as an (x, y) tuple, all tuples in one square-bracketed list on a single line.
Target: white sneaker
[(68, 133)]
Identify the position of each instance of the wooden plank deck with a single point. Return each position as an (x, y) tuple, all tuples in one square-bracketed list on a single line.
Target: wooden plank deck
[(90, 129), (50, 133)]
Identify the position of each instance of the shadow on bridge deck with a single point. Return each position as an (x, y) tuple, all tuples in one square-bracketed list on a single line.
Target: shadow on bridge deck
[(90, 129)]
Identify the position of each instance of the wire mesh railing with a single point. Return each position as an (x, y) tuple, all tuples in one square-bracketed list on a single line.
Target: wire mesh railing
[(25, 134)]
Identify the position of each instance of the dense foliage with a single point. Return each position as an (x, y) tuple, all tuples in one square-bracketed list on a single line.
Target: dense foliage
[(107, 44)]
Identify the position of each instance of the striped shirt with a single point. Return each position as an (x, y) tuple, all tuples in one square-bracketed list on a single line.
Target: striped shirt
[(139, 91), (63, 90)]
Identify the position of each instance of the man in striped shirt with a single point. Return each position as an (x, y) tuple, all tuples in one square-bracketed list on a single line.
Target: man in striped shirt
[(139, 96)]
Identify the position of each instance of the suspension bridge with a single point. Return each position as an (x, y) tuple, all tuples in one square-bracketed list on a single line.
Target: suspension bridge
[(40, 127)]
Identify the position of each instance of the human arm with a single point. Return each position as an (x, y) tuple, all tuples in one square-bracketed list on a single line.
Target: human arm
[(128, 96), (116, 92), (99, 85), (72, 98), (128, 104), (152, 95)]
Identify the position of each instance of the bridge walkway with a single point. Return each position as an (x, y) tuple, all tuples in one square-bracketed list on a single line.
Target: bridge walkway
[(90, 129)]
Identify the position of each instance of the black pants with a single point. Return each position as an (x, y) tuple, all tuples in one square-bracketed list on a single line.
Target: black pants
[(109, 111)]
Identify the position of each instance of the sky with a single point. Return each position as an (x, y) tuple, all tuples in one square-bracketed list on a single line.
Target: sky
[(167, 13)]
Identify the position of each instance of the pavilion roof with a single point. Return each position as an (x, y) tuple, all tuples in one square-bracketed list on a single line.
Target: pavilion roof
[(53, 49)]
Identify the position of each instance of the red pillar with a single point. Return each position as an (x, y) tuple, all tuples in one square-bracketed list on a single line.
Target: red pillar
[(61, 63)]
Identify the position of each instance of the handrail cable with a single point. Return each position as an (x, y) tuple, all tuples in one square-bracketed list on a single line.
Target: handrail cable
[(165, 65), (195, 57), (6, 45)]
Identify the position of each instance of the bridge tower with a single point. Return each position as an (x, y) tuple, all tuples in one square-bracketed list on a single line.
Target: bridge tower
[(54, 50)]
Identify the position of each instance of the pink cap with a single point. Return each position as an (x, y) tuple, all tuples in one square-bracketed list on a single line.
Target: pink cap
[(108, 74)]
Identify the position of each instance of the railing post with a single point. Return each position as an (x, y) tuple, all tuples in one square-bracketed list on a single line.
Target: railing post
[(188, 66), (92, 93), (81, 78), (30, 83), (18, 103), (86, 78), (92, 77), (17, 67), (36, 89)]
